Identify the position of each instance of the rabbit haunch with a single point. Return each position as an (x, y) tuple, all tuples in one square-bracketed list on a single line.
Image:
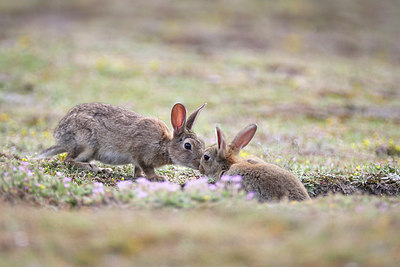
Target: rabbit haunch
[(114, 135), (267, 181)]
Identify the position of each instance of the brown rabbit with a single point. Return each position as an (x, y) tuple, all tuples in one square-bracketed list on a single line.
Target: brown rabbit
[(114, 135), (267, 181)]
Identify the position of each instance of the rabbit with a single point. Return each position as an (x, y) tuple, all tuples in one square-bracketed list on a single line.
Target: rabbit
[(268, 181), (118, 136)]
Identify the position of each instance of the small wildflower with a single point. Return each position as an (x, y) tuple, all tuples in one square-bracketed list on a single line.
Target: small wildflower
[(358, 167), (123, 185), (236, 178), (225, 178), (212, 187), (98, 188), (200, 184), (24, 162), (219, 185), (142, 180), (122, 178), (141, 194), (171, 187), (243, 154), (391, 142), (250, 196), (67, 180), (278, 160), (41, 186), (366, 142), (66, 185), (59, 173)]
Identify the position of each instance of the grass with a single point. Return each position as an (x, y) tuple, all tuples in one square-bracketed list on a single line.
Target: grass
[(319, 78)]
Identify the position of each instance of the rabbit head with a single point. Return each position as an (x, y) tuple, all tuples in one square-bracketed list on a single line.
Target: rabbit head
[(218, 158), (185, 148)]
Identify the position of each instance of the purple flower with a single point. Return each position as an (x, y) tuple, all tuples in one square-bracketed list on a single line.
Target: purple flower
[(198, 185), (21, 168), (67, 180), (236, 178), (212, 187), (225, 178), (24, 163), (250, 196), (142, 180), (171, 187), (66, 185), (29, 173), (219, 185), (123, 185), (6, 174), (141, 194), (27, 187), (98, 188)]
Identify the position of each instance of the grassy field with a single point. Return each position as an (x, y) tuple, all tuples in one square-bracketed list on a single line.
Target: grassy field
[(320, 78)]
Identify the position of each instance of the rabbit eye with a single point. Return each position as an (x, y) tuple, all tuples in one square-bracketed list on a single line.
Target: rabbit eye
[(206, 157), (188, 146)]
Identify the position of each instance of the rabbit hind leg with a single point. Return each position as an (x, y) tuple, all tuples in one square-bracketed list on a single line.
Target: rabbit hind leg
[(80, 157)]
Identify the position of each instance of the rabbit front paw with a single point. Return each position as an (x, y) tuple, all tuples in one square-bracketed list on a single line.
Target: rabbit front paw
[(157, 178)]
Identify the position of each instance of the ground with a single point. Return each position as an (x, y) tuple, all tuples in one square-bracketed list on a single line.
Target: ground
[(320, 78)]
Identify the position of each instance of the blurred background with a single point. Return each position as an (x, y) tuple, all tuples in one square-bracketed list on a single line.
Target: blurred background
[(321, 78)]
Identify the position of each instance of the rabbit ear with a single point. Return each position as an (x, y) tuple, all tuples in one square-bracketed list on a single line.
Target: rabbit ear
[(192, 118), (221, 143), (244, 137), (178, 118)]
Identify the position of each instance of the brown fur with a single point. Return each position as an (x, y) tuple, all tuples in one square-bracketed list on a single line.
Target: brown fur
[(267, 181), (114, 135)]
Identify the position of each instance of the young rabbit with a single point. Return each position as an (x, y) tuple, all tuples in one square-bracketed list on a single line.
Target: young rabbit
[(267, 181), (114, 135)]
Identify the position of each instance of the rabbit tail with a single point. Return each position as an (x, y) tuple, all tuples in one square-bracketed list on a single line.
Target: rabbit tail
[(51, 151)]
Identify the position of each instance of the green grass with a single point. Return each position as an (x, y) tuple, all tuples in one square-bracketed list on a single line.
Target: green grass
[(320, 78)]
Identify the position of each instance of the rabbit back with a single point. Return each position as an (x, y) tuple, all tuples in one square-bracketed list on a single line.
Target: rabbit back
[(115, 135), (268, 181)]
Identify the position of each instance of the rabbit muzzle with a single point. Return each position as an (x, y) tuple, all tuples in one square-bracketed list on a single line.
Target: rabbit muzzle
[(201, 169)]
